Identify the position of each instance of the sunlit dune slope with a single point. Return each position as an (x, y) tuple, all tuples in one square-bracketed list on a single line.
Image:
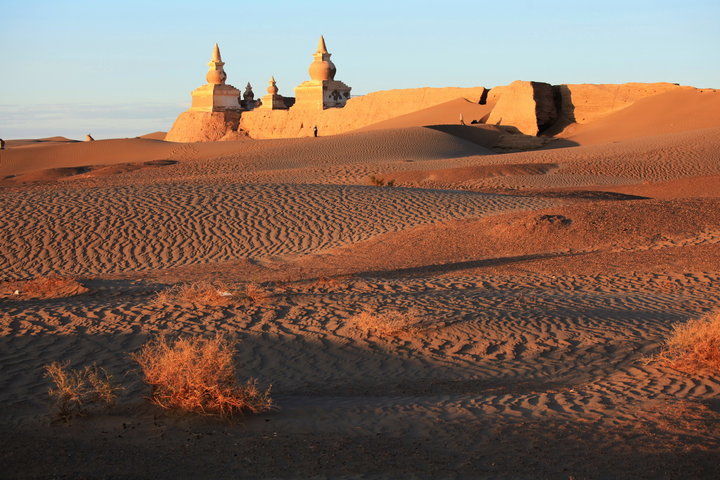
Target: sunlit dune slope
[(670, 112), (659, 158), (34, 142), (401, 144), (101, 152), (154, 136), (447, 113)]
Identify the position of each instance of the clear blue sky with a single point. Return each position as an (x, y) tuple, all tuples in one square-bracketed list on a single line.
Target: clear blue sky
[(126, 68)]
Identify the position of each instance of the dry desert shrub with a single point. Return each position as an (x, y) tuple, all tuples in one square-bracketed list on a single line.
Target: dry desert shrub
[(693, 346), (77, 389), (214, 294), (197, 374), (329, 283), (256, 294), (386, 324), (44, 287)]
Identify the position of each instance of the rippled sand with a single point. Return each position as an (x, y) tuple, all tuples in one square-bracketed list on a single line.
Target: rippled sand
[(541, 282)]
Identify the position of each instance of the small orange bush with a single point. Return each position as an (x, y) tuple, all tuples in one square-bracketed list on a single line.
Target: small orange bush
[(214, 294), (694, 345), (75, 390), (197, 374), (390, 323)]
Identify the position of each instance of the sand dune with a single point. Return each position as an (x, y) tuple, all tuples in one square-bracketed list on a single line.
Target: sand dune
[(104, 152), (671, 112), (648, 159), (120, 229), (154, 136), (562, 231), (401, 144), (496, 353), (537, 291)]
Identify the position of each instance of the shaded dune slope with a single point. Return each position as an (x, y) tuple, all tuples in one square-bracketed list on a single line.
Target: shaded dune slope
[(559, 231)]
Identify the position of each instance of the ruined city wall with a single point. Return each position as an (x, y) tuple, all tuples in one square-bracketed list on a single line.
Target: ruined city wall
[(357, 113)]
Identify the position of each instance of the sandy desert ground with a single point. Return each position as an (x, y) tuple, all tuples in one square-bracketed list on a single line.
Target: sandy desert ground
[(541, 281)]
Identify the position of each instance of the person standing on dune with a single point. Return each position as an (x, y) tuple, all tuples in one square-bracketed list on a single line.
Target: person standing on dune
[(462, 120), (315, 131)]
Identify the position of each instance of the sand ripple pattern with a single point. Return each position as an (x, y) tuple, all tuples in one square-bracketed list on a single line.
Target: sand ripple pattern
[(507, 346), (135, 228)]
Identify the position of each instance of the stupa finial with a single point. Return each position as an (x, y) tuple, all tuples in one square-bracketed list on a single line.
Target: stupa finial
[(321, 45), (216, 54), (272, 86)]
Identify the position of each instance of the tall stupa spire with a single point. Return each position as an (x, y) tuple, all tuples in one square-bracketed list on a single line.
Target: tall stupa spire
[(216, 54), (321, 45), (216, 74)]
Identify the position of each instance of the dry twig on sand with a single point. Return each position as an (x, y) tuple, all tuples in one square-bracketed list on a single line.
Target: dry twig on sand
[(197, 374)]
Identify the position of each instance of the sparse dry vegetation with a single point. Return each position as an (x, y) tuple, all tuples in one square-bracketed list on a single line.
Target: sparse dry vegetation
[(327, 283), (75, 391), (42, 288), (386, 324), (215, 294), (380, 182), (197, 374), (694, 346)]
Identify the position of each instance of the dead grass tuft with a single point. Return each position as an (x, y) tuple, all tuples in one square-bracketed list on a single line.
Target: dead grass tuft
[(76, 390), (197, 374), (386, 324), (693, 346), (214, 294), (43, 288)]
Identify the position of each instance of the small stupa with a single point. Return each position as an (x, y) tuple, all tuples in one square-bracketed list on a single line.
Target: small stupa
[(272, 101), (216, 95), (248, 101), (322, 90)]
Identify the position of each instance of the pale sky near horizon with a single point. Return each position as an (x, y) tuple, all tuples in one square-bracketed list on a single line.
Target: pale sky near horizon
[(126, 68)]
